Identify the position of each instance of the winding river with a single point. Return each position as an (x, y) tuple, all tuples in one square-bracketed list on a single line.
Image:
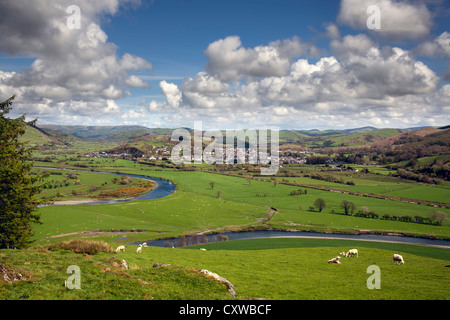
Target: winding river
[(164, 188), (259, 234)]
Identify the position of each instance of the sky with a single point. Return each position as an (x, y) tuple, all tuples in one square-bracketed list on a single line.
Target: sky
[(228, 64)]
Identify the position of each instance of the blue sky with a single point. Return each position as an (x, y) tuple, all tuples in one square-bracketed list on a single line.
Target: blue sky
[(173, 34), (230, 64)]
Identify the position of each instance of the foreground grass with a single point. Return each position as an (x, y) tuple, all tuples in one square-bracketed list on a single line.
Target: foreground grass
[(291, 269), (102, 278)]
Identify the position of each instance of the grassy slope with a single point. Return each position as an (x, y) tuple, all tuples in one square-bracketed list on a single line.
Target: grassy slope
[(101, 277), (289, 269)]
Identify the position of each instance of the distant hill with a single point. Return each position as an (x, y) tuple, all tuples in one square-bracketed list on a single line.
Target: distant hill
[(359, 130), (406, 136), (43, 136), (315, 132), (143, 138), (97, 132), (336, 138)]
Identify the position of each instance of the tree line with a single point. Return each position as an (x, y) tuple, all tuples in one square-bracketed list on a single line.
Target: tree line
[(434, 217)]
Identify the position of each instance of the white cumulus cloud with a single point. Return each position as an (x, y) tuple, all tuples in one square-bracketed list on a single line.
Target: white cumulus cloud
[(398, 19), (75, 70)]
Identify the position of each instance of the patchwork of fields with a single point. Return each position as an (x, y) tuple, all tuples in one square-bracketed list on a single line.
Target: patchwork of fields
[(262, 268)]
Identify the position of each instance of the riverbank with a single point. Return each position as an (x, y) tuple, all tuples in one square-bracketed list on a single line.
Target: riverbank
[(153, 188), (197, 239), (74, 202), (88, 201)]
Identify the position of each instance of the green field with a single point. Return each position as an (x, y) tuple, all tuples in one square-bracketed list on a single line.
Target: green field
[(288, 269), (242, 203), (384, 185)]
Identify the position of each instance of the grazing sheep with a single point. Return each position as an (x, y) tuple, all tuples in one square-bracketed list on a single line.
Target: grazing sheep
[(342, 253), (120, 248), (352, 252), (203, 249), (335, 260), (398, 259), (144, 244), (139, 249)]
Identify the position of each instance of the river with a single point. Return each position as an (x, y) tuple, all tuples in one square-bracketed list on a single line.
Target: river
[(259, 234), (163, 187)]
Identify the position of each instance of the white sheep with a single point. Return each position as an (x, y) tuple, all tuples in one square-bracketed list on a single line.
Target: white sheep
[(120, 248), (398, 259), (202, 249), (335, 260), (144, 244), (139, 249), (352, 252)]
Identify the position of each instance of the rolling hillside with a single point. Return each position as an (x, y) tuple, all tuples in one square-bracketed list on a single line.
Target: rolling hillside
[(95, 132), (42, 136)]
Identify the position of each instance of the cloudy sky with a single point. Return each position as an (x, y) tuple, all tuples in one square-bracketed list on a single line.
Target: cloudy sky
[(285, 64)]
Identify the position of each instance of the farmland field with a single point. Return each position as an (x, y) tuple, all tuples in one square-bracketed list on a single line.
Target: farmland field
[(225, 150), (210, 199), (207, 201)]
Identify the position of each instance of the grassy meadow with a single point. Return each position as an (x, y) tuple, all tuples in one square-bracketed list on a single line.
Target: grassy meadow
[(288, 269), (285, 269), (198, 206), (72, 185)]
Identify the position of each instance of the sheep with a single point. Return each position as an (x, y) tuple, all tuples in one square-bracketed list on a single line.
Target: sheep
[(202, 249), (335, 260), (352, 252), (139, 249), (120, 248), (144, 244), (398, 259), (342, 253)]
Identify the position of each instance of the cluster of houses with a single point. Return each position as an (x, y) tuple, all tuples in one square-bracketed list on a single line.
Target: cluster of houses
[(161, 152), (104, 154)]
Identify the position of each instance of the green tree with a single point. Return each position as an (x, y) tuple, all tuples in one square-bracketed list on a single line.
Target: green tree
[(437, 216), (348, 206), (17, 186), (320, 204)]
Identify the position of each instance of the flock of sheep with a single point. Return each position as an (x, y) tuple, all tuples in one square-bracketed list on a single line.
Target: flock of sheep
[(398, 259), (138, 250)]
